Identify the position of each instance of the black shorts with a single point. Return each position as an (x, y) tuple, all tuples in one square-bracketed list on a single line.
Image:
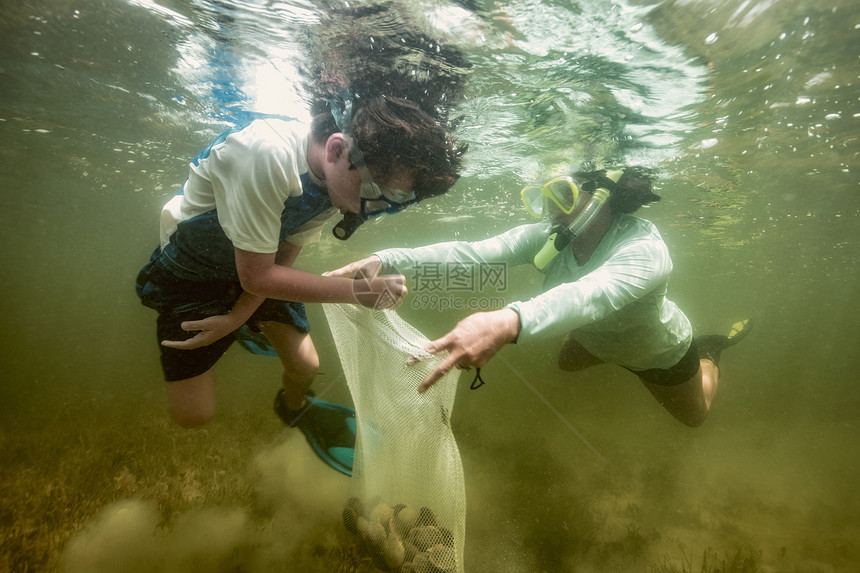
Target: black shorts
[(685, 369), (178, 300)]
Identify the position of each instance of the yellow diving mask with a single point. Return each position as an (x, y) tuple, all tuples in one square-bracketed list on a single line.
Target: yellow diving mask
[(561, 193), (562, 234)]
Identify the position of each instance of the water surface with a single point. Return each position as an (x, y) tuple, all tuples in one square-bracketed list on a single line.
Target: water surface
[(749, 110)]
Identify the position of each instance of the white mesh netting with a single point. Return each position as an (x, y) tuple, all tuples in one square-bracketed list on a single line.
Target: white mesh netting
[(408, 499)]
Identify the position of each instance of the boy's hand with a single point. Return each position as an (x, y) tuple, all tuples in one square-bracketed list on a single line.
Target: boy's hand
[(370, 288), (368, 267), (379, 291), (210, 329)]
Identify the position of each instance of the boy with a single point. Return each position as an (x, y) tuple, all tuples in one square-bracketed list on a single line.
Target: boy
[(251, 201)]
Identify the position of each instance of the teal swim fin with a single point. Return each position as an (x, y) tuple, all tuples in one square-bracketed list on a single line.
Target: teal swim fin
[(254, 342), (330, 429)]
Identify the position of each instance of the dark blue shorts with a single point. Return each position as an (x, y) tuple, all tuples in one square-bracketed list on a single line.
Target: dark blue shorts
[(685, 369), (178, 300)]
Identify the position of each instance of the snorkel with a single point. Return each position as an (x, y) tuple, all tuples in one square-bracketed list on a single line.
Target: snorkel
[(347, 226), (561, 235)]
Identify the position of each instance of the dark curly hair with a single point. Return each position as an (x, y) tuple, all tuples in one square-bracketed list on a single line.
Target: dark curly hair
[(394, 133), (632, 191), (403, 81), (382, 48)]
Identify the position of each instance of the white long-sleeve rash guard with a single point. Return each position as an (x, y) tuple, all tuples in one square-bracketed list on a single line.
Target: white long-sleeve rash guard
[(615, 305)]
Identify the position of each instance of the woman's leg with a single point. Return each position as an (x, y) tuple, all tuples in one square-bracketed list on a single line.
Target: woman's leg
[(573, 357), (690, 401), (299, 358)]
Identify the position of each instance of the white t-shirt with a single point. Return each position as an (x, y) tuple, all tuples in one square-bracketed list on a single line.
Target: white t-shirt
[(615, 305), (247, 174)]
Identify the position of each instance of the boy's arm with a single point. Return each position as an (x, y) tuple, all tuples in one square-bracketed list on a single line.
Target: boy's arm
[(270, 276), (260, 275), (214, 328), (287, 253)]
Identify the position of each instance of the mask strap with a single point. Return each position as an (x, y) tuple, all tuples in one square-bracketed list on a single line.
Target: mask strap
[(340, 106)]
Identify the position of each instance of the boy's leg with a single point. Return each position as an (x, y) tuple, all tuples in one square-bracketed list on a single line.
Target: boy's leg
[(191, 402), (330, 429), (298, 356), (690, 401), (573, 357), (190, 374)]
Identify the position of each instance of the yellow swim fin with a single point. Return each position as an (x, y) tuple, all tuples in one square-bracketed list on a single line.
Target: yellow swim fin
[(739, 330)]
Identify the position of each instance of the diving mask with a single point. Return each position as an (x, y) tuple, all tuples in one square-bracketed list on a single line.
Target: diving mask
[(376, 199), (561, 235), (560, 194)]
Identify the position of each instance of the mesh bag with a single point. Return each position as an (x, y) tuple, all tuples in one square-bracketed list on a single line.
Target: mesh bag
[(407, 501)]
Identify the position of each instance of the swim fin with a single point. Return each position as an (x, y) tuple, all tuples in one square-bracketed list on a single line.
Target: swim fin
[(711, 346), (254, 342), (739, 330), (329, 428)]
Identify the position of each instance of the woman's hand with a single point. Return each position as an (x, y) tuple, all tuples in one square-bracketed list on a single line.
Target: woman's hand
[(473, 342)]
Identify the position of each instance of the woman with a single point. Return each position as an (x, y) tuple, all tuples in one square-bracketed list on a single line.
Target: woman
[(606, 279)]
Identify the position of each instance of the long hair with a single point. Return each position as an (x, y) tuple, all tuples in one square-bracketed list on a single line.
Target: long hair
[(404, 83), (632, 191), (382, 49)]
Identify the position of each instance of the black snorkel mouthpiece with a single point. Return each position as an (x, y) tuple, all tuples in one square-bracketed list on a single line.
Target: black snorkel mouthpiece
[(563, 236), (347, 226)]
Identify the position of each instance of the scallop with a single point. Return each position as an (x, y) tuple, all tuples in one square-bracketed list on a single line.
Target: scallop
[(350, 520), (421, 564), (405, 519), (375, 534), (352, 509), (381, 512), (393, 551), (447, 536), (361, 526), (442, 557), (427, 517), (425, 537), (356, 504)]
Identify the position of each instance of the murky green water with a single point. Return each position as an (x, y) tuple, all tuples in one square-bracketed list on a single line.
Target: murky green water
[(749, 109)]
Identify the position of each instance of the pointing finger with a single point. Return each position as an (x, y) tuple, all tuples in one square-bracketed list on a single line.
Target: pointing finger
[(439, 372)]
